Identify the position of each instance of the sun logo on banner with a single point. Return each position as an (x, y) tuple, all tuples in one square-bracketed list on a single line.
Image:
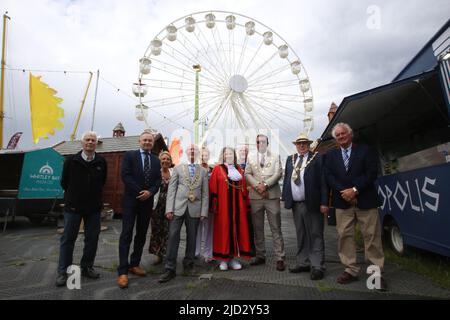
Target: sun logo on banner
[(46, 169)]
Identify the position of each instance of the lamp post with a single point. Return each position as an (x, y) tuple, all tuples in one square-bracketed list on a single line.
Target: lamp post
[(197, 69)]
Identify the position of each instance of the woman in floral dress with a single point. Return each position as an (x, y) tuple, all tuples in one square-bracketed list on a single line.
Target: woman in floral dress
[(159, 223)]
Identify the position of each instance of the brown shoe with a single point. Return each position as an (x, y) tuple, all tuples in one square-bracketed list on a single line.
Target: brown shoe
[(137, 271), (345, 278), (122, 281), (280, 265)]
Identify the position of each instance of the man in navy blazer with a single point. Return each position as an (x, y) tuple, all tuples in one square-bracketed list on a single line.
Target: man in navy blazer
[(351, 171), (141, 175), (306, 193)]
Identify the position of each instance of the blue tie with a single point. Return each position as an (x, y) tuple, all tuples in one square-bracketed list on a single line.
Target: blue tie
[(191, 170), (346, 159)]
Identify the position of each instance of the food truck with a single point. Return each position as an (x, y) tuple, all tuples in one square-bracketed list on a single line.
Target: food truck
[(408, 122)]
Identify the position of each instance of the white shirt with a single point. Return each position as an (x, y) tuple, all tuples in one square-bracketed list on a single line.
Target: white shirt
[(233, 173), (298, 191), (85, 156)]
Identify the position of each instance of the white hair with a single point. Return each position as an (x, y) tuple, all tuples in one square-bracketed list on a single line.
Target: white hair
[(341, 124), (90, 133)]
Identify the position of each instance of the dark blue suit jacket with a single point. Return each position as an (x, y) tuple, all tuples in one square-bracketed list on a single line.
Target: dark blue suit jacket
[(316, 189), (362, 173), (133, 177)]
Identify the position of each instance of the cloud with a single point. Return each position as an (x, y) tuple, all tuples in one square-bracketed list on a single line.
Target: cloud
[(341, 54)]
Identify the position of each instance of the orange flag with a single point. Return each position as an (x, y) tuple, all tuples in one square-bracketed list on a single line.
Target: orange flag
[(176, 151)]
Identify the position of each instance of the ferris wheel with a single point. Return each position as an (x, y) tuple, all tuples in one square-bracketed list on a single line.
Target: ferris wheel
[(221, 70)]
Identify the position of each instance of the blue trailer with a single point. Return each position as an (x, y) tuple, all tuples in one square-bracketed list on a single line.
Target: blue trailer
[(408, 122), (415, 209)]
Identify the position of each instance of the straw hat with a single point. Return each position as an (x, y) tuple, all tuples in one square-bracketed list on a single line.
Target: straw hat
[(302, 137)]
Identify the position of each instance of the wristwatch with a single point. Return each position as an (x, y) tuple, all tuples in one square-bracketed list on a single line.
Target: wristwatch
[(355, 190)]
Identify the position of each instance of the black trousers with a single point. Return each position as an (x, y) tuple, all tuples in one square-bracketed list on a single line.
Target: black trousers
[(138, 214), (72, 221)]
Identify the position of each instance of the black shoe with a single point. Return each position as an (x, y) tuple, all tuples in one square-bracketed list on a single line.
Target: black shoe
[(90, 273), (257, 261), (167, 276), (383, 285), (298, 269), (316, 274), (61, 280), (188, 271)]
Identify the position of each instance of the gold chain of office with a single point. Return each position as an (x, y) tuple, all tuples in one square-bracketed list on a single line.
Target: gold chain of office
[(238, 187), (297, 170), (192, 184)]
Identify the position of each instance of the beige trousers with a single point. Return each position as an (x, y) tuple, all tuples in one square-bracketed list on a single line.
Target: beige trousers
[(369, 223), (272, 208)]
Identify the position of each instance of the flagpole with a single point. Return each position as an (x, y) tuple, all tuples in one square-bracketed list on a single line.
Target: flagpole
[(95, 101), (2, 85), (72, 136)]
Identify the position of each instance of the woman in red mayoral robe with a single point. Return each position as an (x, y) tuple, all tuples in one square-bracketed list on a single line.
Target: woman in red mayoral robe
[(229, 204)]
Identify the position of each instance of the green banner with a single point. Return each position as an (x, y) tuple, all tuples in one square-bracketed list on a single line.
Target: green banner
[(41, 175)]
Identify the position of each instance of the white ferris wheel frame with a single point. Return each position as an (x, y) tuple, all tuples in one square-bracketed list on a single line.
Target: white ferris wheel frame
[(238, 85)]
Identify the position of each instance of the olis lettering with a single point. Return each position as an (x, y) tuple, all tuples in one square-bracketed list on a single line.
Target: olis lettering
[(415, 194)]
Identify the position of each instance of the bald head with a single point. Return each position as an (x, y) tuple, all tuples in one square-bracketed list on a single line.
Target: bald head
[(192, 152)]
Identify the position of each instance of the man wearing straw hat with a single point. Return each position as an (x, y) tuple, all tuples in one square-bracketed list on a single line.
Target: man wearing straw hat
[(306, 193)]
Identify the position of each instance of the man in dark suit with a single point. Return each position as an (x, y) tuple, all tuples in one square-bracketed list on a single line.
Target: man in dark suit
[(351, 171), (306, 193), (141, 175), (83, 177)]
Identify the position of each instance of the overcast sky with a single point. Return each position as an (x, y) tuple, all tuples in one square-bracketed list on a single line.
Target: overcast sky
[(343, 45)]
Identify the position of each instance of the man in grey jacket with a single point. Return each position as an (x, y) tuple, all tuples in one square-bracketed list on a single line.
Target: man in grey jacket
[(187, 201)]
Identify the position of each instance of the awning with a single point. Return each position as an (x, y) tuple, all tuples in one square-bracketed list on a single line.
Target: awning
[(398, 118)]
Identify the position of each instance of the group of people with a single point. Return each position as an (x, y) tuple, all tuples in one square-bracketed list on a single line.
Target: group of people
[(224, 207)]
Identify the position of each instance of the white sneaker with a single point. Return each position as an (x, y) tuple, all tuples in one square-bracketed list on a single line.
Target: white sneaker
[(223, 266), (235, 265)]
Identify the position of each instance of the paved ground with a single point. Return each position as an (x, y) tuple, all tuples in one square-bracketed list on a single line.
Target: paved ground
[(29, 254)]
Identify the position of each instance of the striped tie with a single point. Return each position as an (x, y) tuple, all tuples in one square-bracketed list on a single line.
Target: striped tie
[(346, 159), (147, 169)]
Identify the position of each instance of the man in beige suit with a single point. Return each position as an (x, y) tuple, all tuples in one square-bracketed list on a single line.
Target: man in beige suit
[(263, 171), (187, 201)]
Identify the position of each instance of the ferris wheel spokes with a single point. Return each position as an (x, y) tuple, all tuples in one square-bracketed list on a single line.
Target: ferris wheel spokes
[(219, 74), (269, 74), (253, 58), (240, 83), (222, 72), (194, 60)]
